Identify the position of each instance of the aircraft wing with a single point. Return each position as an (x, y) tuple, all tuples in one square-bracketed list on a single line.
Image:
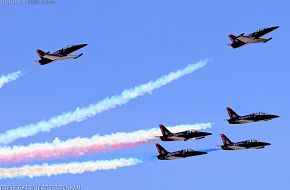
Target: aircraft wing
[(248, 39), (44, 61), (195, 153)]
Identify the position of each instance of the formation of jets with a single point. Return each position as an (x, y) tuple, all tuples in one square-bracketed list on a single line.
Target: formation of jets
[(237, 41), (227, 143)]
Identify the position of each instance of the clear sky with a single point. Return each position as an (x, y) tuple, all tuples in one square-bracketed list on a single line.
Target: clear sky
[(132, 42)]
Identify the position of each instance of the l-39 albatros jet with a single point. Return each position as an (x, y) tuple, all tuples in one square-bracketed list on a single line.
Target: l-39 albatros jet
[(64, 53), (255, 37), (165, 155), (248, 144), (254, 117), (185, 135)]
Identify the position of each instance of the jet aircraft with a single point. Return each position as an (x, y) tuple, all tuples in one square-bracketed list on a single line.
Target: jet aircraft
[(248, 144), (185, 135), (255, 37), (64, 53), (254, 117), (165, 155)]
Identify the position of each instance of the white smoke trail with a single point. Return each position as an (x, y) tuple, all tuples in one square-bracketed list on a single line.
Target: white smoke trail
[(66, 168), (79, 146), (108, 103), (9, 77)]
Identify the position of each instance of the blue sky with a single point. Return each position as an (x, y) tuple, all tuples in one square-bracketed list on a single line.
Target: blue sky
[(132, 42)]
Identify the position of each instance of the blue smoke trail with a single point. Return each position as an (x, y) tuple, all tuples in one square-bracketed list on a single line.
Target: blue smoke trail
[(211, 150)]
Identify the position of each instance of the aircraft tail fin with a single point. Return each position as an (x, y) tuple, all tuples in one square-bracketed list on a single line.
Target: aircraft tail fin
[(40, 53), (225, 139), (161, 150), (164, 130), (231, 113), (233, 38)]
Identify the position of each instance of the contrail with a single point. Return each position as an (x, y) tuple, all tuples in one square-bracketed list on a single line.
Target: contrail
[(66, 168), (80, 146), (81, 114), (9, 77)]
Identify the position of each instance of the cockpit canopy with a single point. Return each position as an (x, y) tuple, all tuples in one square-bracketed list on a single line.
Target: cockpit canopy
[(68, 46), (62, 49), (189, 150), (191, 131), (59, 51), (261, 29), (251, 141), (260, 113)]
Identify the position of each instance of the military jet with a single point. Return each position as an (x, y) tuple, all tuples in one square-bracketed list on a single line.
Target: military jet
[(185, 135), (248, 144), (64, 53), (254, 117), (165, 155), (255, 37)]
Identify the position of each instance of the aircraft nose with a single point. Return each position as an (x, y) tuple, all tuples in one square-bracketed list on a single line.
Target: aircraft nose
[(207, 134), (82, 45), (274, 27), (275, 116), (267, 144)]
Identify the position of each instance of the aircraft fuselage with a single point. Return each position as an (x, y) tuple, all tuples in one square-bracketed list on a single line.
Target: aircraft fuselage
[(62, 54), (184, 136), (251, 118), (179, 154), (255, 37), (245, 145)]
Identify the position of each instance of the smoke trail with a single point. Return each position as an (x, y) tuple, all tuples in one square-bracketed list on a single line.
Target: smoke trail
[(79, 146), (81, 114), (66, 168), (211, 149), (9, 77)]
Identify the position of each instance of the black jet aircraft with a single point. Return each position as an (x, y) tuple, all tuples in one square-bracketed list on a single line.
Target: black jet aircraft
[(64, 53), (255, 37), (165, 155), (248, 144), (185, 135), (254, 117)]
